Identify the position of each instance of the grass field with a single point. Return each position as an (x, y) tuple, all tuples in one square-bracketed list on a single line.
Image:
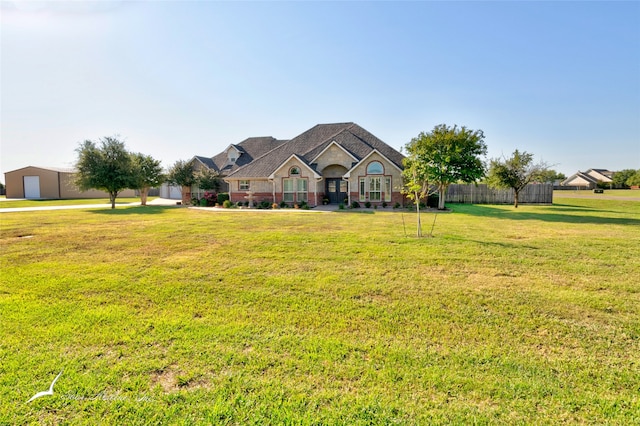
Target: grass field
[(164, 315), (10, 203), (627, 193)]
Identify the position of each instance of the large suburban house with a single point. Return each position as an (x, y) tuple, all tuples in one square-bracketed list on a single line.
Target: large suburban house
[(588, 179), (329, 163)]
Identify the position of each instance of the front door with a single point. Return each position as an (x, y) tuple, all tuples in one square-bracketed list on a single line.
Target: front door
[(336, 190)]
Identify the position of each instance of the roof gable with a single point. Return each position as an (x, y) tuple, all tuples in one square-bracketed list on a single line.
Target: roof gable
[(375, 151), (302, 161), (248, 150), (602, 175), (578, 178), (205, 161), (352, 138), (314, 159)]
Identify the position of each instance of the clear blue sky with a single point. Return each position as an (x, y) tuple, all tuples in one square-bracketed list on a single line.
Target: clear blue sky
[(182, 78)]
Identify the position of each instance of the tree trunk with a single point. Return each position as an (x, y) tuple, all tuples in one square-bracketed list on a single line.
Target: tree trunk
[(515, 199), (112, 198), (186, 195), (143, 196), (442, 191), (419, 231)]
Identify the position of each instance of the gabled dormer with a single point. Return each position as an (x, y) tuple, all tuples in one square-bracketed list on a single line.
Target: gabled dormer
[(233, 153)]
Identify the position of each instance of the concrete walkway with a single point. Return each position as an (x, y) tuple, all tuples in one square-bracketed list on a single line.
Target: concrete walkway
[(155, 202), (159, 202)]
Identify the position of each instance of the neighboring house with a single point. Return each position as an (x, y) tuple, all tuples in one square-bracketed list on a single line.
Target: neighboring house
[(334, 163), (49, 183), (589, 179)]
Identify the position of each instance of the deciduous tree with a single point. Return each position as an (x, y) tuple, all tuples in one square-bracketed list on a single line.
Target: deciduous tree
[(182, 175), (515, 172), (620, 178), (634, 180), (106, 166), (208, 179), (444, 156), (416, 185), (550, 176), (147, 173)]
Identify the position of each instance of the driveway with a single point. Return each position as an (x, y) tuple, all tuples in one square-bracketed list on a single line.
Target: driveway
[(154, 202)]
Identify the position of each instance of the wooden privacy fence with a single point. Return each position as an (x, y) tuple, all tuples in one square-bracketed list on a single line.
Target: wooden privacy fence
[(483, 194)]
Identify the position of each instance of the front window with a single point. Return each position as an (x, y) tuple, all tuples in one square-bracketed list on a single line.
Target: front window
[(375, 168), (302, 189), (387, 188), (244, 185), (287, 190), (375, 189)]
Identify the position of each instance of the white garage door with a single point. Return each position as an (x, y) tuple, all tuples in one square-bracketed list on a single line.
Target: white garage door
[(32, 187), (175, 192)]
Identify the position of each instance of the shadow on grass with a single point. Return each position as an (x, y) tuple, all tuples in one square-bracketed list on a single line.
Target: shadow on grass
[(549, 214), (132, 210), (577, 208), (355, 211), (500, 244)]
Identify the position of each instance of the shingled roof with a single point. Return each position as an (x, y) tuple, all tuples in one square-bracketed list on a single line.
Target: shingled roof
[(308, 145), (206, 161), (250, 149)]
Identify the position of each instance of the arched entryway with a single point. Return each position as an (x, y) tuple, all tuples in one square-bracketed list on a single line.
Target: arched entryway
[(335, 188)]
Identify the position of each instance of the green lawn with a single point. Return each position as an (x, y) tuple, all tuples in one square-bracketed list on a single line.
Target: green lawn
[(5, 204), (163, 315), (633, 193)]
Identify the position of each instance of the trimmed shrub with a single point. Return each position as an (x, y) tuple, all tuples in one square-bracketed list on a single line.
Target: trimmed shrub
[(226, 204), (222, 197), (355, 205)]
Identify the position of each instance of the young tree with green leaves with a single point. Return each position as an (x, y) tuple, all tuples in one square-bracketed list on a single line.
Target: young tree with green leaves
[(208, 179), (515, 172), (444, 156), (550, 176), (106, 166), (416, 185), (182, 175), (147, 173), (634, 180), (619, 179)]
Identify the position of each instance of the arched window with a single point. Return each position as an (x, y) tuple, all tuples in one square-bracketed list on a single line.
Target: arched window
[(375, 168), (294, 171)]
